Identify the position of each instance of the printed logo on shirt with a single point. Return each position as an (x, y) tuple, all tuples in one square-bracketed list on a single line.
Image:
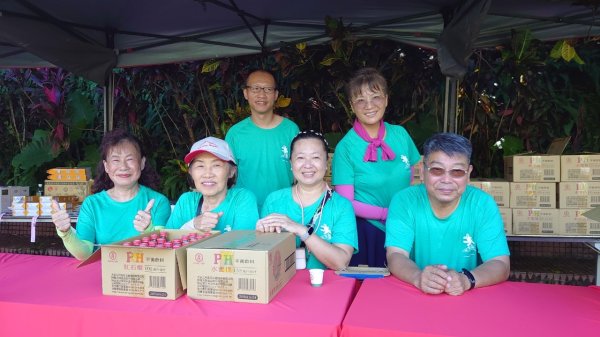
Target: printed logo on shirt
[(405, 161), (325, 232), (285, 153), (469, 249), (227, 228)]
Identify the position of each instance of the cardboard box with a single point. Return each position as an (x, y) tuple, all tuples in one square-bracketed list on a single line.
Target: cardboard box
[(80, 189), (573, 222), (535, 221), (507, 218), (585, 194), (8, 192), (498, 189), (145, 272), (580, 167), (593, 214), (533, 195), (241, 266), (69, 174), (532, 168), (417, 174)]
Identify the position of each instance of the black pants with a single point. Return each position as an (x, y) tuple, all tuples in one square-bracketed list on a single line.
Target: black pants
[(371, 250)]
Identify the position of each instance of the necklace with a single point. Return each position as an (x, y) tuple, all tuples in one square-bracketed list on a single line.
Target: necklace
[(318, 212)]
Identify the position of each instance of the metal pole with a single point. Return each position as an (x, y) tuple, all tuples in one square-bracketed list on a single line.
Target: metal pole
[(450, 105), (109, 100)]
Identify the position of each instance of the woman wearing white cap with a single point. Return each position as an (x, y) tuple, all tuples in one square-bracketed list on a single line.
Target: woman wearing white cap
[(322, 220), (215, 204)]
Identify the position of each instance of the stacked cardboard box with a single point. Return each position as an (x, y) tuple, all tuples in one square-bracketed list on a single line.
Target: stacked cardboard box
[(69, 181), (500, 191), (8, 192), (549, 193), (69, 174), (417, 175), (79, 189), (533, 184), (241, 266), (579, 191), (137, 271)]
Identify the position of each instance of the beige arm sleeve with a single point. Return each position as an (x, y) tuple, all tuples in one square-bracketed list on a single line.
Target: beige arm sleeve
[(80, 249)]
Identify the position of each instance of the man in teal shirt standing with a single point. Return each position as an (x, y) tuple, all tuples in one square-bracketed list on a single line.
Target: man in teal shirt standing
[(437, 230), (261, 142)]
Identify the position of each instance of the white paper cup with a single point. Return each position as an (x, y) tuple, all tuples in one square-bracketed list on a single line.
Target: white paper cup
[(316, 277), (300, 258)]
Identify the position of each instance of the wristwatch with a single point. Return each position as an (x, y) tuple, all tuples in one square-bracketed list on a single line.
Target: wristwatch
[(470, 277), (304, 236)]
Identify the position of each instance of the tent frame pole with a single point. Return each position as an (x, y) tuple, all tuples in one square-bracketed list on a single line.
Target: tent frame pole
[(450, 105)]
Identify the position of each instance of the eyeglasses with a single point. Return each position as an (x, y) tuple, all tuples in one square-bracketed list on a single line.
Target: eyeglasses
[(362, 102), (454, 173), (256, 89)]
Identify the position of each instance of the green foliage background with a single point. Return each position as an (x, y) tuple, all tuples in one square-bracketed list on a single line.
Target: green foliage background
[(526, 92)]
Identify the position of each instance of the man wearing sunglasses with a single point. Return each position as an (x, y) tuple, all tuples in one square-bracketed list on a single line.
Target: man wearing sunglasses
[(445, 236)]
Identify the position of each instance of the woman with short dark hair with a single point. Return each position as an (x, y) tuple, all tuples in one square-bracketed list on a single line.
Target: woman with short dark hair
[(124, 202)]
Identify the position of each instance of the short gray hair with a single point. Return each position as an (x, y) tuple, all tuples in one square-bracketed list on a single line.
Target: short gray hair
[(450, 143)]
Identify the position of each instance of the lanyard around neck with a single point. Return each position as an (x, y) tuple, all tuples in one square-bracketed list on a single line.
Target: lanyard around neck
[(199, 210)]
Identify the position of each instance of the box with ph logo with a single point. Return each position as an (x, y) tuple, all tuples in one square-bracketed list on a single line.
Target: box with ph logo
[(241, 266), (136, 267)]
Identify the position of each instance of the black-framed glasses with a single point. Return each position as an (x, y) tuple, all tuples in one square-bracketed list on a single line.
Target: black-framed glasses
[(255, 89), (454, 173)]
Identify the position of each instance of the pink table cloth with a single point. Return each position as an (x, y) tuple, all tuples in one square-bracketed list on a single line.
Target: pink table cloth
[(389, 307), (48, 296)]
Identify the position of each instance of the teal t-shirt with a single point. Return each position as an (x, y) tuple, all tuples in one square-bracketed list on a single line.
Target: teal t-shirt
[(475, 227), (263, 156), (239, 210), (336, 225), (103, 220), (375, 183)]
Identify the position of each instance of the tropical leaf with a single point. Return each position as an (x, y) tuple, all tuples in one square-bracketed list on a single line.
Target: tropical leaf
[(567, 52), (283, 102), (82, 114), (174, 181), (36, 153), (329, 60), (210, 66), (556, 51), (301, 46), (521, 44), (578, 59), (512, 145)]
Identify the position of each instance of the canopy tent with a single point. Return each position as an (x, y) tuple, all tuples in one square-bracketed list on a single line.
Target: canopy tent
[(89, 38)]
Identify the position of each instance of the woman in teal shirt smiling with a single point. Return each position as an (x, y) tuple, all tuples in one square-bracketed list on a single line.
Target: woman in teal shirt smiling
[(124, 204), (322, 220), (215, 203)]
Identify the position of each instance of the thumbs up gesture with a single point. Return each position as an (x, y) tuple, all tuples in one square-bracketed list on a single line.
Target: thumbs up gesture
[(143, 218), (60, 217), (207, 221)]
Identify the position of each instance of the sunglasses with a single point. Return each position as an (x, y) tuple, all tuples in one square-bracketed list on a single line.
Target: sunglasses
[(454, 173), (362, 102)]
